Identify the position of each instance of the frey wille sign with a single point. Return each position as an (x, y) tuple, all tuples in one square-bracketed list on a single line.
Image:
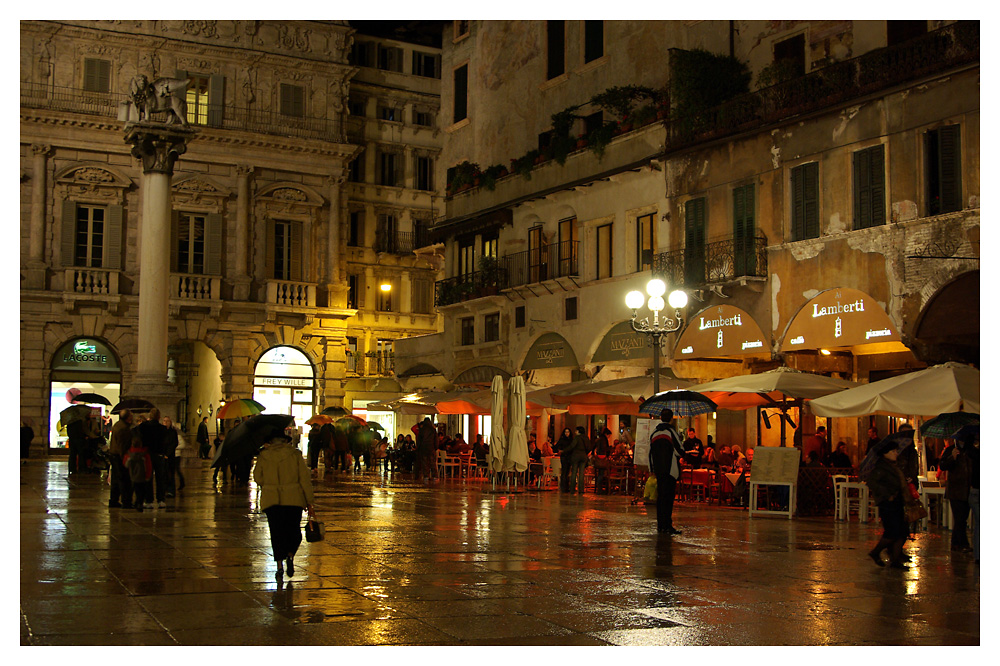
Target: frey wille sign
[(721, 330), (622, 343), (549, 351), (839, 318)]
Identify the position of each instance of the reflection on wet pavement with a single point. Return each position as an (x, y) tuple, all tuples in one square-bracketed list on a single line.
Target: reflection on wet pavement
[(456, 564)]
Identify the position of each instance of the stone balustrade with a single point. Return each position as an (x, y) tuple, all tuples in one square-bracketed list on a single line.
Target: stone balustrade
[(293, 294)]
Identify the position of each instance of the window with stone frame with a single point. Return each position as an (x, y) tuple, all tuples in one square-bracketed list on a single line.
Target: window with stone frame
[(805, 201), (92, 235), (427, 65), (357, 106), (205, 97), (423, 117), (387, 111), (355, 291), (96, 75), (424, 172), (460, 106), (491, 327), (355, 228), (943, 169), (519, 316), (293, 100), (593, 40), (362, 54), (390, 58), (390, 163), (356, 169), (197, 243), (604, 251), (422, 296), (555, 39), (467, 328), (645, 246), (285, 250)]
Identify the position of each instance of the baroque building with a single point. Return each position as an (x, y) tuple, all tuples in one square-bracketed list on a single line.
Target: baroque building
[(812, 185), (292, 270)]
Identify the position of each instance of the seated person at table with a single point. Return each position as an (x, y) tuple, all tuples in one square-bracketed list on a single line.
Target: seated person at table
[(748, 461), (812, 460), (725, 458), (839, 458), (479, 447), (709, 460), (459, 445), (739, 460), (621, 451), (546, 449)]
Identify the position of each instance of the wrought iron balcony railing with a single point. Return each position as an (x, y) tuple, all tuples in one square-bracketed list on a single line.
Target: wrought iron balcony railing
[(397, 242), (371, 364), (720, 261), (76, 100), (539, 264), (937, 51)]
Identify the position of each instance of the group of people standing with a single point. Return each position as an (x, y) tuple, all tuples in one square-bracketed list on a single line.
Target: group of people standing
[(144, 461)]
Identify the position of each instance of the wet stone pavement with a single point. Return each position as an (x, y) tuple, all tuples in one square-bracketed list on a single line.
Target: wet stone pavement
[(457, 564)]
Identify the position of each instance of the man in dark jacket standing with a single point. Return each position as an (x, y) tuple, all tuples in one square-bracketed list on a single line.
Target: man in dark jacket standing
[(427, 440), (121, 442), (203, 444), (665, 453), (958, 461), (153, 435)]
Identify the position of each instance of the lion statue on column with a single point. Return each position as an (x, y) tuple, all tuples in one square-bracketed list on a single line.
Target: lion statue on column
[(163, 95)]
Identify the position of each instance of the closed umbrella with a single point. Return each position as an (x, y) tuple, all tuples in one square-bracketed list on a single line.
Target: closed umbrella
[(248, 437), (237, 409), (517, 440), (498, 441)]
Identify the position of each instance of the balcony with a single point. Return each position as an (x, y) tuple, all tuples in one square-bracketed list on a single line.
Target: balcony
[(722, 261), (291, 294), (952, 46), (397, 242), (92, 281), (77, 100), (195, 287), (371, 364), (547, 262)]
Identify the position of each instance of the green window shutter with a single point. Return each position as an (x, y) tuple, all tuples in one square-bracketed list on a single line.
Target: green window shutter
[(269, 250), (175, 239), (97, 75), (810, 200), (798, 203), (862, 216), (113, 237), (295, 252), (743, 228), (950, 168), (213, 244), (694, 241), (877, 185), (216, 99), (68, 232)]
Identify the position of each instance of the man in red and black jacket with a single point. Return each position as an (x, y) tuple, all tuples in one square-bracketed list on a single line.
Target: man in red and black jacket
[(665, 453)]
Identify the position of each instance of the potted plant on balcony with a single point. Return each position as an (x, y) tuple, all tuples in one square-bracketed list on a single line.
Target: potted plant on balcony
[(488, 283), (562, 142), (491, 175), (523, 164)]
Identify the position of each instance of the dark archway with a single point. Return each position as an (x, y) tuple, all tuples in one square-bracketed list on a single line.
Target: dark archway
[(948, 327)]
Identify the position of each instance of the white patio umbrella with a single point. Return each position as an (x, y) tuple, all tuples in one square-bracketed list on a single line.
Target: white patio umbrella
[(517, 440), (498, 441)]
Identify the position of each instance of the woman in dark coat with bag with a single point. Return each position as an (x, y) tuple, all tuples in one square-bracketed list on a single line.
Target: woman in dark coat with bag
[(957, 460), (889, 490)]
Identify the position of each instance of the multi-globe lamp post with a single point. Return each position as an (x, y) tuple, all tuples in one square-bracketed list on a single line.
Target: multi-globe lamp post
[(659, 326)]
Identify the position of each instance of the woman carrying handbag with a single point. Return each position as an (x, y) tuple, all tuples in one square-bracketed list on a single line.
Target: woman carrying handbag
[(285, 489)]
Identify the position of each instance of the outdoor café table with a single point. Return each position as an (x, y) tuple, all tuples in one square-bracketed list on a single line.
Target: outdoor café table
[(863, 510), (946, 517), (702, 478)]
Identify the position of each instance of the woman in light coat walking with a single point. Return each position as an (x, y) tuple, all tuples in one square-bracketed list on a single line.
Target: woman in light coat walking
[(285, 489)]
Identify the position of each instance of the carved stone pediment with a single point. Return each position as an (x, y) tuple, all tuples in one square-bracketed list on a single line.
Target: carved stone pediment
[(289, 199), (199, 192), (92, 182)]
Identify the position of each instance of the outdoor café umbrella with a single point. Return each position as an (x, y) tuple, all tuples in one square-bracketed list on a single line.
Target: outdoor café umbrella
[(92, 399), (73, 413), (680, 401), (133, 405), (613, 396), (516, 457), (949, 387), (247, 437), (947, 424), (237, 409), (498, 441)]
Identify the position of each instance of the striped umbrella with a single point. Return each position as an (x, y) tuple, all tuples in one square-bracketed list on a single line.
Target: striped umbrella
[(238, 409), (681, 402)]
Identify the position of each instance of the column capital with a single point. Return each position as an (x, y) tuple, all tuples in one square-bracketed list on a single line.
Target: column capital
[(41, 149), (244, 170), (157, 146)]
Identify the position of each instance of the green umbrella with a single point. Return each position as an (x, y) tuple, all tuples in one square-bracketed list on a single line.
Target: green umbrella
[(947, 424), (73, 413)]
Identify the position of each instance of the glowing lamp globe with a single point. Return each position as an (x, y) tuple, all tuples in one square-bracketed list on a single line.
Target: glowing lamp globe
[(656, 288), (656, 303), (634, 300), (678, 299)]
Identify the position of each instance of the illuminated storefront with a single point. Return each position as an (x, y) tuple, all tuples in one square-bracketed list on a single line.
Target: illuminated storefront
[(284, 382), (81, 365)]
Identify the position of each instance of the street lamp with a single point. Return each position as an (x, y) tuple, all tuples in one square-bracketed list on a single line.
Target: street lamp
[(660, 327)]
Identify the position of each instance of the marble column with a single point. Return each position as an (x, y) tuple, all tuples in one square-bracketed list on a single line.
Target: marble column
[(336, 286), (157, 146), (241, 277), (35, 269)]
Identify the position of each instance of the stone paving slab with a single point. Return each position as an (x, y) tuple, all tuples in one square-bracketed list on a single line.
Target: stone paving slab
[(456, 563)]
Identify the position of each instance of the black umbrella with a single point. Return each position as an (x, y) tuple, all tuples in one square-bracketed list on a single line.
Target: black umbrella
[(133, 405), (680, 401), (947, 424), (247, 437), (897, 440), (335, 411), (92, 399)]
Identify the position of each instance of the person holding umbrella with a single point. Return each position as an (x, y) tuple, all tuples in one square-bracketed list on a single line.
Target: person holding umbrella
[(960, 459), (665, 453), (121, 442), (285, 489), (889, 490)]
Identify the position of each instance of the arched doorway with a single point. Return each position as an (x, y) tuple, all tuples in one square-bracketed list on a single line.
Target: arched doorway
[(81, 365), (284, 382)]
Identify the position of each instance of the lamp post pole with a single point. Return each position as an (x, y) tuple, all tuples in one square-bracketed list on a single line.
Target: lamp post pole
[(659, 328)]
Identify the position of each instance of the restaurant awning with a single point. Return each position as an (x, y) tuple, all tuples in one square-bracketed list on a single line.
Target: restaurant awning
[(550, 350), (721, 331), (842, 319), (622, 343)]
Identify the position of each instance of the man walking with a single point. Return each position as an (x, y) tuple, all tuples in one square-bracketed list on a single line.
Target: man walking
[(664, 458)]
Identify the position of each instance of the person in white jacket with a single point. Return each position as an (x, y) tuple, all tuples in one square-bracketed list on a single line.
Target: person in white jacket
[(285, 489)]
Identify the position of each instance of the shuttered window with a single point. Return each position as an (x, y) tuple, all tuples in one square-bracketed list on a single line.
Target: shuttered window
[(96, 75), (805, 201), (293, 101), (197, 243), (604, 254), (205, 97), (645, 242), (285, 254), (943, 163), (869, 187), (390, 58), (422, 296), (389, 165), (427, 65), (92, 236), (744, 211), (694, 241)]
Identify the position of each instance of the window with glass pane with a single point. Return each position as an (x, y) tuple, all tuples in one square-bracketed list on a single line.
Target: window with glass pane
[(490, 244), (361, 54), (351, 353), (282, 250), (390, 58), (386, 112), (191, 243), (466, 252), (385, 298), (293, 101), (427, 65), (197, 99), (568, 247), (423, 118), (468, 329), (604, 251), (644, 242), (537, 256), (491, 327), (89, 238), (387, 169)]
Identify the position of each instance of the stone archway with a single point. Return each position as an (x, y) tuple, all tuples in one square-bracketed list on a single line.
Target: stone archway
[(948, 326)]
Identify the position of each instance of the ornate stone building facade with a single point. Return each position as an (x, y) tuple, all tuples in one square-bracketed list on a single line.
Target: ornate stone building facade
[(273, 292), (812, 185)]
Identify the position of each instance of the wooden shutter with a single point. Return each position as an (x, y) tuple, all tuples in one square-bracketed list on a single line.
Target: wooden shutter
[(743, 229), (216, 99), (175, 239), (213, 244), (810, 200), (97, 75), (869, 187), (877, 185), (68, 232), (295, 258), (950, 168), (113, 237), (694, 241), (269, 251), (798, 203)]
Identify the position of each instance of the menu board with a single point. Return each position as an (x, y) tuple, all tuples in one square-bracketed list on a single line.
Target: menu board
[(643, 430), (775, 465)]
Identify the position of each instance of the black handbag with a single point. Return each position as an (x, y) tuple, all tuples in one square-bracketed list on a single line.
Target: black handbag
[(314, 530)]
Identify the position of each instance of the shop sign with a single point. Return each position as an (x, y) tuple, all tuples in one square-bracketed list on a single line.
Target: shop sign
[(622, 343), (839, 318), (549, 351), (282, 381), (85, 354), (721, 331)]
